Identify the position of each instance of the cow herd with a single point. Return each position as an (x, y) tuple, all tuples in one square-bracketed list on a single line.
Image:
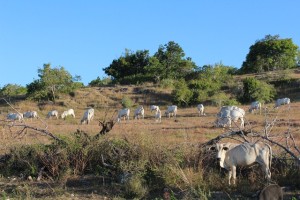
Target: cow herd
[(225, 117), (87, 116)]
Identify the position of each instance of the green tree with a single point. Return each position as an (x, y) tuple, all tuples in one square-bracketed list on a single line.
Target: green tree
[(100, 82), (173, 65), (254, 89), (129, 68), (52, 81), (10, 90), (270, 53), (182, 94)]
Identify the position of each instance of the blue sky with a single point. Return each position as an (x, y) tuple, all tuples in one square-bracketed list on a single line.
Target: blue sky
[(85, 36)]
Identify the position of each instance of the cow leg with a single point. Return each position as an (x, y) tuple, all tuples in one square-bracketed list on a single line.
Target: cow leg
[(234, 174), (242, 123), (229, 176)]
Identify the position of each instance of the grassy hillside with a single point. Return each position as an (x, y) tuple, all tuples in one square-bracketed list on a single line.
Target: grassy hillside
[(166, 151)]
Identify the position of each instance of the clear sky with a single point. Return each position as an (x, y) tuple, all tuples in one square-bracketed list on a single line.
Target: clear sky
[(86, 36)]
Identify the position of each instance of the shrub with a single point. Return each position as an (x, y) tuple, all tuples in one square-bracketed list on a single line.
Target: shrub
[(127, 102)]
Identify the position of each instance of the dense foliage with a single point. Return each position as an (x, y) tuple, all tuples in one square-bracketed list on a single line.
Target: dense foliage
[(138, 67), (257, 90), (10, 90), (271, 53), (51, 82)]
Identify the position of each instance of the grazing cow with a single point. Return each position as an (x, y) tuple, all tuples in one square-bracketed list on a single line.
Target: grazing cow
[(158, 116), (139, 112), (30, 114), (88, 116), (52, 113), (67, 113), (15, 116), (228, 114), (200, 109), (256, 105), (231, 155), (154, 108), (282, 101), (171, 111), (271, 192), (123, 113)]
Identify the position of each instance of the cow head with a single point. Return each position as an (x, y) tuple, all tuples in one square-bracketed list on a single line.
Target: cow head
[(221, 149)]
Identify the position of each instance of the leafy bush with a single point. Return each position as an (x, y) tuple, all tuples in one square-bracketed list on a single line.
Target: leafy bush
[(127, 102), (257, 90)]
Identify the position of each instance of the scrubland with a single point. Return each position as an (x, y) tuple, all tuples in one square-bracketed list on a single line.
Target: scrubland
[(140, 159)]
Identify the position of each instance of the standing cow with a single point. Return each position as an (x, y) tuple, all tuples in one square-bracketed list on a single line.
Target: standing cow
[(154, 108), (282, 101), (171, 111), (227, 114), (52, 113), (200, 109), (68, 113), (15, 116), (231, 155), (256, 105), (139, 112), (30, 114), (88, 116), (123, 113), (158, 116)]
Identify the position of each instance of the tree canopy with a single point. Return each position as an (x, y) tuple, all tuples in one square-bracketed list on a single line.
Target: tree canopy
[(136, 67), (270, 53), (51, 82)]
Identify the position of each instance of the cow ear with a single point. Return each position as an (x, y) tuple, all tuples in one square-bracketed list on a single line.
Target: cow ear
[(225, 148)]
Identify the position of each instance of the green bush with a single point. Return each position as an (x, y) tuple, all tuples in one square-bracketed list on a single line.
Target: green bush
[(127, 102)]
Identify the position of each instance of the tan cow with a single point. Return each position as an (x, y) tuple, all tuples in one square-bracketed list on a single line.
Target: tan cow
[(231, 155)]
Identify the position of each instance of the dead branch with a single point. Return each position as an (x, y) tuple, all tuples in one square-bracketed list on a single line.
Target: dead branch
[(39, 130)]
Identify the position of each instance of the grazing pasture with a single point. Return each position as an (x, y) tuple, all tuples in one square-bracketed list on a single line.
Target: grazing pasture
[(171, 148)]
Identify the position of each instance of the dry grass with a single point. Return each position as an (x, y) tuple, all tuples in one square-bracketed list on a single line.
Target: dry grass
[(187, 129)]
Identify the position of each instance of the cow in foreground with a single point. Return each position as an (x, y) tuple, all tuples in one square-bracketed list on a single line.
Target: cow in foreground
[(171, 111), (68, 113), (123, 113), (88, 116), (30, 115), (271, 192), (256, 105), (231, 155), (139, 112), (282, 101), (200, 109), (15, 116), (52, 113), (227, 114)]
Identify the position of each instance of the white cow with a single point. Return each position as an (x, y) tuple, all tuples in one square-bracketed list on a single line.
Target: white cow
[(158, 116), (15, 116), (67, 113), (228, 114), (52, 113), (231, 155), (256, 105), (154, 108), (139, 112), (88, 116), (282, 101), (171, 111), (30, 114), (200, 109), (123, 113)]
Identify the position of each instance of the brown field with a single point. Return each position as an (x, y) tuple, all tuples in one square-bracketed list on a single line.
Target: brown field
[(187, 128)]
